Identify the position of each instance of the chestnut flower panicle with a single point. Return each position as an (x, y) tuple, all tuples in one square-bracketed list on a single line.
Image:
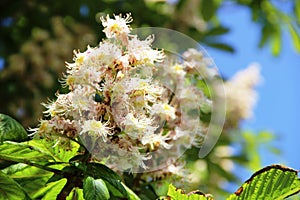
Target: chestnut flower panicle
[(128, 101)]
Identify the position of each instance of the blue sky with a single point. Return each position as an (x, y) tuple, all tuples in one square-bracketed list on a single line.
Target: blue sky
[(278, 106)]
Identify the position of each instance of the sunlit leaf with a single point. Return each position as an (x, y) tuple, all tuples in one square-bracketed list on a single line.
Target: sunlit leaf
[(58, 152), (95, 189), (276, 42), (178, 194), (131, 194), (54, 190), (250, 149), (76, 193), (273, 182), (22, 152), (11, 130), (31, 179), (295, 36), (9, 189)]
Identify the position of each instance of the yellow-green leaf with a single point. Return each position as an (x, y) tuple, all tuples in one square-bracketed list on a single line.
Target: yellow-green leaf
[(273, 182), (178, 194)]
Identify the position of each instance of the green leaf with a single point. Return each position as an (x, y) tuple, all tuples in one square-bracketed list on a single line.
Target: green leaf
[(276, 42), (178, 194), (54, 189), (100, 171), (208, 9), (180, 4), (272, 182), (131, 194), (11, 130), (297, 11), (266, 33), (10, 189), (221, 46), (220, 30), (56, 151), (76, 193), (250, 149), (22, 152), (5, 163), (55, 177), (95, 189), (295, 36), (31, 179)]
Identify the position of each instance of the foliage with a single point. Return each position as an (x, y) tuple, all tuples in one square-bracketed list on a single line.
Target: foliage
[(37, 39), (77, 177), (11, 130)]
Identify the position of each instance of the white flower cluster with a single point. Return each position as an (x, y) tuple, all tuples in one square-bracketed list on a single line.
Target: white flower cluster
[(127, 103), (241, 95)]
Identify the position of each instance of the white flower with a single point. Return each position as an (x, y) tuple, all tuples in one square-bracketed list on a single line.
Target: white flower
[(155, 140), (83, 100), (62, 105), (116, 27), (190, 94), (143, 87), (80, 57), (141, 52), (105, 54), (137, 127), (197, 62), (164, 111), (240, 94), (177, 70), (96, 128)]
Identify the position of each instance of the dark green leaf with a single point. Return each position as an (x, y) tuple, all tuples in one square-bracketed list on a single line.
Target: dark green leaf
[(77, 157), (5, 163), (266, 33), (11, 130), (273, 182), (221, 46), (10, 189), (297, 11), (208, 9), (148, 192), (95, 189), (220, 30), (55, 177), (100, 171), (180, 4)]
